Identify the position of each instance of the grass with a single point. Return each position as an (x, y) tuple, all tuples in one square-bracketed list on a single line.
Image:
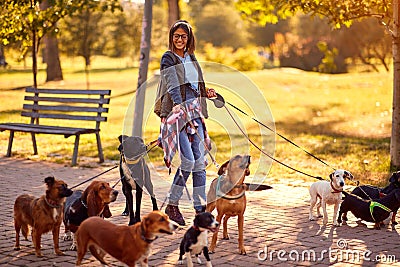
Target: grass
[(343, 119)]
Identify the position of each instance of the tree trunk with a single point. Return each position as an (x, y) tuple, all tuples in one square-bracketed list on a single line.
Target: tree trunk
[(53, 70), (173, 11), (395, 138)]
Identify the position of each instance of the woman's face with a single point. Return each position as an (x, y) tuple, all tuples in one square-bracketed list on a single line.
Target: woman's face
[(180, 38)]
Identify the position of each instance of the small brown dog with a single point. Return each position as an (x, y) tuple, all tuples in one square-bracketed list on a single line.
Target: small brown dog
[(127, 244), (43, 214), (227, 194)]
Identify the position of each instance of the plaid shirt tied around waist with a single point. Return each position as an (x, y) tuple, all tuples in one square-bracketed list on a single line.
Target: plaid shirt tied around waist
[(186, 121)]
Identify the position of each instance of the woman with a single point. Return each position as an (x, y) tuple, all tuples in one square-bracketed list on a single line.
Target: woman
[(185, 98)]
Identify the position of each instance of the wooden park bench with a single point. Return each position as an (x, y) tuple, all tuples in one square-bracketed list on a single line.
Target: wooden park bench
[(56, 107)]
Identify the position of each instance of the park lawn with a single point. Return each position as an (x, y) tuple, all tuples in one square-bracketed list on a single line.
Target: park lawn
[(343, 119)]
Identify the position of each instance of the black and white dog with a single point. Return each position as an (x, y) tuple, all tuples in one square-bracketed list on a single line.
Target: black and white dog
[(134, 174), (195, 239), (372, 192)]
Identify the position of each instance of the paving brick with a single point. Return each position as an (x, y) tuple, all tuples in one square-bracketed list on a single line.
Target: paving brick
[(274, 220)]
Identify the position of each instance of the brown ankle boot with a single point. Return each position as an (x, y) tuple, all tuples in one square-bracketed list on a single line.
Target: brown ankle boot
[(174, 214)]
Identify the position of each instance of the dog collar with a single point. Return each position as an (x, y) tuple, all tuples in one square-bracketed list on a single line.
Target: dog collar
[(131, 161), (374, 204), (335, 190), (225, 196), (143, 237), (52, 203)]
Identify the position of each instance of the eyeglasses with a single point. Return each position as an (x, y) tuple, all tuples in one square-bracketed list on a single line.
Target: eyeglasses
[(177, 36)]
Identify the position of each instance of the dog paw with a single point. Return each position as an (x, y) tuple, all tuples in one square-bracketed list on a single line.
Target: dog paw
[(208, 264), (73, 247), (225, 237), (320, 216), (312, 219), (59, 253), (180, 262), (125, 213), (17, 248), (198, 260)]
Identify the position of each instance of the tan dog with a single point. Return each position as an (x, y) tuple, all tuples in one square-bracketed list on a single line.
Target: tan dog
[(227, 194), (43, 214), (127, 244)]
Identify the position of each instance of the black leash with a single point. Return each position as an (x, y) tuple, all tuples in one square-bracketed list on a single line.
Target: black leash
[(220, 102), (88, 180), (265, 153)]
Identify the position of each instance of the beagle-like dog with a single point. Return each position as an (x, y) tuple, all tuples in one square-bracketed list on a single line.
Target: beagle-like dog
[(80, 205), (227, 195), (128, 244)]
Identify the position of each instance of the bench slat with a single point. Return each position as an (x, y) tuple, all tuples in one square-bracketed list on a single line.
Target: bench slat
[(68, 91), (65, 108), (62, 116), (45, 129), (68, 100)]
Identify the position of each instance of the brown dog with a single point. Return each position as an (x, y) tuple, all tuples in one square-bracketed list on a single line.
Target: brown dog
[(227, 194), (82, 205), (43, 214), (127, 244)]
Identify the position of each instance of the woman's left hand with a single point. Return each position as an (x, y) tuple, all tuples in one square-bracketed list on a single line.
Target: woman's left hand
[(211, 93)]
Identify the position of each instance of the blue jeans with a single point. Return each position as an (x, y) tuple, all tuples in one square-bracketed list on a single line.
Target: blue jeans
[(192, 161)]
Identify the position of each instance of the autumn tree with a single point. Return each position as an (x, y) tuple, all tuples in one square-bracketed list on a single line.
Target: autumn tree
[(24, 22), (341, 13)]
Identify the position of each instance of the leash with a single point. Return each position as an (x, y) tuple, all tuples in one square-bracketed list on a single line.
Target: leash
[(265, 153), (220, 102), (88, 180)]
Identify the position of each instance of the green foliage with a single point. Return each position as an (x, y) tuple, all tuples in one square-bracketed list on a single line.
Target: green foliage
[(243, 59), (338, 12), (328, 61), (221, 28)]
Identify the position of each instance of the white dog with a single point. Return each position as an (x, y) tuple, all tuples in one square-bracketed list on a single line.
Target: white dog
[(328, 193)]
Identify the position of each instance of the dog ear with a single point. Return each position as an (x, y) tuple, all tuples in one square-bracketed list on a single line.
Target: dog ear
[(395, 177), (196, 220), (49, 181), (222, 169), (122, 137), (348, 175), (331, 175)]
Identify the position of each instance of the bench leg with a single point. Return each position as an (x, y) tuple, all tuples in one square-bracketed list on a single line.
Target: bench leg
[(99, 148), (75, 154), (10, 141), (35, 152)]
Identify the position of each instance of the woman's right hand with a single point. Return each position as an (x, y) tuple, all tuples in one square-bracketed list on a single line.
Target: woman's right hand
[(176, 109)]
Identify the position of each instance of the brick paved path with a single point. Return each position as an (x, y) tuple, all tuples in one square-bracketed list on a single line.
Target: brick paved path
[(275, 220)]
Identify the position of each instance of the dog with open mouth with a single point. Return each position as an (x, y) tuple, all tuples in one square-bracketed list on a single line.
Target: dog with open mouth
[(195, 240)]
